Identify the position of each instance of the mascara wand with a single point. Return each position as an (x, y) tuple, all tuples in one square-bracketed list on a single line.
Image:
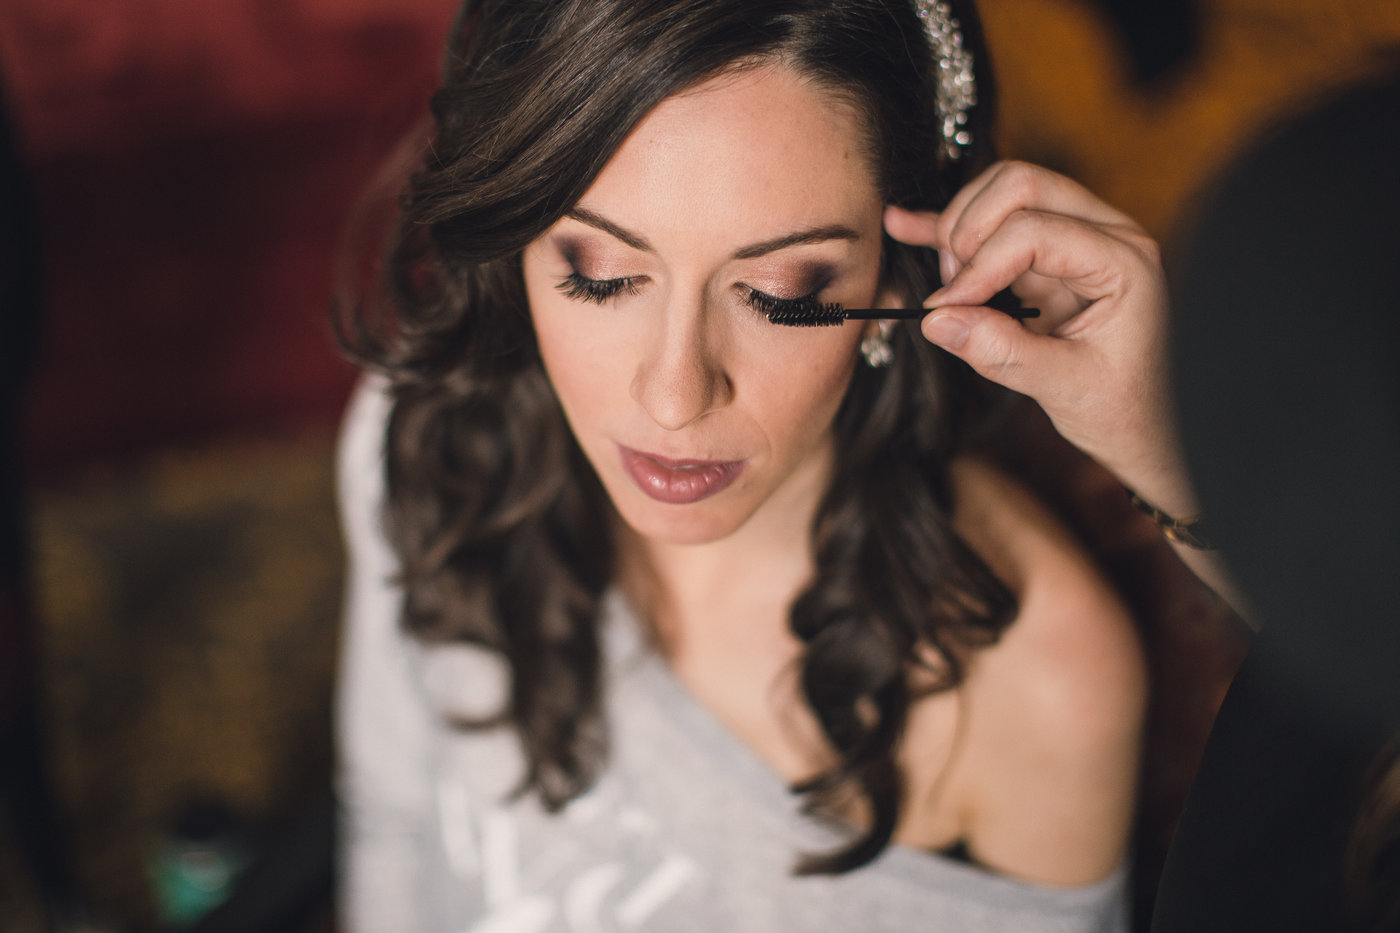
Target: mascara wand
[(811, 313)]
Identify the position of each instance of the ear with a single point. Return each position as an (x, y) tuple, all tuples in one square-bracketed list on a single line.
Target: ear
[(877, 330), (888, 297)]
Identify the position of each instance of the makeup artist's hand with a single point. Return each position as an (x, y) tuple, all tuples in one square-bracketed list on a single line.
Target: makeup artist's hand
[(1095, 360)]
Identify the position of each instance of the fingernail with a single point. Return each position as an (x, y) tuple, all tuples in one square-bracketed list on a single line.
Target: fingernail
[(947, 266), (947, 330)]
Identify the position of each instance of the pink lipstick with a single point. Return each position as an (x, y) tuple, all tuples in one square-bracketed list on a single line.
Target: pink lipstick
[(679, 482)]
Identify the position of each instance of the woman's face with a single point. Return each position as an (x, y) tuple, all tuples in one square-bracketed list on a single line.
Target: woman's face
[(696, 412)]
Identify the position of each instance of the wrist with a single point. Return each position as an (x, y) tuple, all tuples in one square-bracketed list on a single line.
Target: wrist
[(1185, 529), (1147, 457)]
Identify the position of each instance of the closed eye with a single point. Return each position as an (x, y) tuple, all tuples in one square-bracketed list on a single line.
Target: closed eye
[(772, 305), (581, 288)]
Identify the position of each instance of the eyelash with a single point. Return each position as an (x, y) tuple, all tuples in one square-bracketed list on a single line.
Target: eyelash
[(597, 291), (770, 305)]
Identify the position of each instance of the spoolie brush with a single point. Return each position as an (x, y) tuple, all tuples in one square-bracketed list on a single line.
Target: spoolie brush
[(808, 312)]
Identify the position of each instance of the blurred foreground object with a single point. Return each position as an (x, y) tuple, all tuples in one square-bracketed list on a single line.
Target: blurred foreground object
[(29, 815), (1288, 367), (193, 165)]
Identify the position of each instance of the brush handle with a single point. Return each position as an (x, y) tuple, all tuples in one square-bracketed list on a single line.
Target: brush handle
[(1004, 301), (884, 314)]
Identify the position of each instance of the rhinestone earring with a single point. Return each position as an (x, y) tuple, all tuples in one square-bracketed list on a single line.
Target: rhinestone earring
[(876, 347)]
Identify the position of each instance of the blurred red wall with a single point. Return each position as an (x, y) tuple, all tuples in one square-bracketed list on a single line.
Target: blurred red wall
[(195, 164)]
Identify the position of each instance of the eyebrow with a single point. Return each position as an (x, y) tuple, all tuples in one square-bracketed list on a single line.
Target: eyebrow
[(598, 221), (752, 251)]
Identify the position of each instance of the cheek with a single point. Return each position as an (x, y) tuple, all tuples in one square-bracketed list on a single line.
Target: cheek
[(803, 391), (579, 358)]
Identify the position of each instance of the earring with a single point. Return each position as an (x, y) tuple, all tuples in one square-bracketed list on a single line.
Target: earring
[(876, 347)]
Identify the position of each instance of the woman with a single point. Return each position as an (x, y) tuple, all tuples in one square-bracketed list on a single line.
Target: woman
[(661, 561)]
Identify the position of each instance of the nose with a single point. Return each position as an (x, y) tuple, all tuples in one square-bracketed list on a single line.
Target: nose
[(682, 377)]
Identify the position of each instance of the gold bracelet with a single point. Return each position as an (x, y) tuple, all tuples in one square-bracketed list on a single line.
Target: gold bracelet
[(1185, 531)]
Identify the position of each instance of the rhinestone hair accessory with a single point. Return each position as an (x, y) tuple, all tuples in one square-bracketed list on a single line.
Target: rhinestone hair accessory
[(957, 89)]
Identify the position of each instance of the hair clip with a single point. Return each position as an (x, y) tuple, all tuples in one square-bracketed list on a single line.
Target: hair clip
[(957, 86)]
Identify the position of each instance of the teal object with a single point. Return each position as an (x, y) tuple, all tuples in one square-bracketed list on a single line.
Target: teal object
[(193, 876)]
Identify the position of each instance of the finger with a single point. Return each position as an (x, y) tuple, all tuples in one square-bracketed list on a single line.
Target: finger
[(968, 193), (981, 207), (1007, 177), (917, 228), (998, 348), (984, 203), (1089, 263), (922, 228)]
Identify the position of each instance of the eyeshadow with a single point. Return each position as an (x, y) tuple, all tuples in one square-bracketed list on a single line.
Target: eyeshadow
[(810, 278)]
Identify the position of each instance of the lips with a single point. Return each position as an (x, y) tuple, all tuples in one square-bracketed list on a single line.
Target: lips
[(679, 482)]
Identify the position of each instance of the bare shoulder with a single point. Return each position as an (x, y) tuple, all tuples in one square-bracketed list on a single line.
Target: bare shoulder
[(1054, 710), (1071, 623)]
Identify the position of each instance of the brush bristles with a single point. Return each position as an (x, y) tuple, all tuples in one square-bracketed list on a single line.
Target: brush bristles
[(809, 315)]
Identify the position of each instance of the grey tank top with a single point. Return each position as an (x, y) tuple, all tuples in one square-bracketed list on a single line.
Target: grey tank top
[(687, 830)]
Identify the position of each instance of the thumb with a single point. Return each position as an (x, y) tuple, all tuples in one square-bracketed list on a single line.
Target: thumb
[(1000, 349)]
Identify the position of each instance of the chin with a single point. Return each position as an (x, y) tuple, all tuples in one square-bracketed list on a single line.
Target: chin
[(698, 523)]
